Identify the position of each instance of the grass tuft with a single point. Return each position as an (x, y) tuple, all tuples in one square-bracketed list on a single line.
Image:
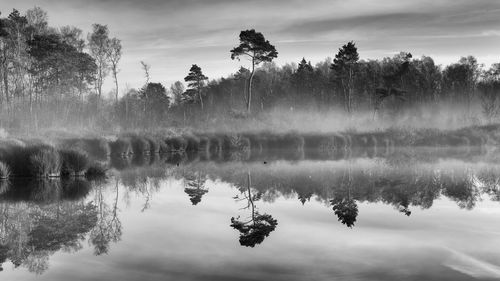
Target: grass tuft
[(96, 170), (140, 145), (4, 171), (73, 162), (121, 147), (45, 162)]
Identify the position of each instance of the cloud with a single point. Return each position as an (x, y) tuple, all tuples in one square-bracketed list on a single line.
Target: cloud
[(173, 34), (471, 266), (366, 23)]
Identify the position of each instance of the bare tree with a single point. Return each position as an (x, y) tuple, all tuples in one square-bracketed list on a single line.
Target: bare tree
[(99, 44), (146, 67), (115, 54)]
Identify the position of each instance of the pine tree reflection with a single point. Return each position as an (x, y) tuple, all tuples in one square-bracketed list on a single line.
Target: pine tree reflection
[(194, 184), (344, 206), (259, 226)]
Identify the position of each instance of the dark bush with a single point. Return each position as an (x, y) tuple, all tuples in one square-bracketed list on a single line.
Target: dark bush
[(73, 162), (45, 162), (4, 171), (176, 144), (154, 145), (121, 147), (140, 145)]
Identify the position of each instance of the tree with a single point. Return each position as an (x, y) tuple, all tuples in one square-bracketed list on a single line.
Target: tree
[(99, 44), (344, 66), (489, 89), (37, 19), (177, 90), (460, 79), (196, 81), (72, 36), (146, 67), (156, 101), (115, 54), (393, 71), (303, 79), (258, 49)]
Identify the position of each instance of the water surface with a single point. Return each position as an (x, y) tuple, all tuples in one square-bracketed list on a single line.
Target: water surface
[(401, 217)]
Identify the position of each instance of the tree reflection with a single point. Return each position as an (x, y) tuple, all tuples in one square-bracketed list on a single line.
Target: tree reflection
[(30, 233), (195, 186), (461, 188), (258, 226), (108, 227), (344, 206)]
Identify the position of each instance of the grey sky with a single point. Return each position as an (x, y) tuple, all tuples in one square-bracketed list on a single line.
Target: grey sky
[(171, 35)]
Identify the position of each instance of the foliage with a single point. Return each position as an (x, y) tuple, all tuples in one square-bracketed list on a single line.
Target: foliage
[(121, 147), (45, 162), (195, 80), (258, 49), (4, 171), (255, 232), (73, 162), (156, 101)]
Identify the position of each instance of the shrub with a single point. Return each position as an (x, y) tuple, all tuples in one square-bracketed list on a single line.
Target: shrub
[(257, 142), (18, 158), (192, 142), (204, 145), (164, 148), (140, 145), (45, 163), (239, 142), (97, 148), (4, 171), (154, 145), (4, 187), (96, 170), (121, 147), (176, 143), (73, 162), (216, 145)]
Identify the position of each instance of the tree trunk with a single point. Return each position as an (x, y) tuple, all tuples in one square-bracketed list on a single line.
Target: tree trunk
[(116, 85), (249, 93), (5, 76), (201, 98)]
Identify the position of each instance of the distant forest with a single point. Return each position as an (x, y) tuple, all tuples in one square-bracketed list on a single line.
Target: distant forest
[(54, 77)]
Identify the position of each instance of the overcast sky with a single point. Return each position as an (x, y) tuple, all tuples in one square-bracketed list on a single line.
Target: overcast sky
[(170, 35)]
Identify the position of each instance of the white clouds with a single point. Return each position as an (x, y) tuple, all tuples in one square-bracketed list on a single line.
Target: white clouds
[(173, 34)]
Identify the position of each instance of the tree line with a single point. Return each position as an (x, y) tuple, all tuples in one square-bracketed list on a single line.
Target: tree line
[(51, 74)]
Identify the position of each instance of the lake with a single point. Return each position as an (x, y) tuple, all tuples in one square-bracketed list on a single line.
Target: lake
[(409, 215)]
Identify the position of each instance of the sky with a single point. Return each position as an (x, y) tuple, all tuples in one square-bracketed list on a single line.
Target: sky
[(171, 35)]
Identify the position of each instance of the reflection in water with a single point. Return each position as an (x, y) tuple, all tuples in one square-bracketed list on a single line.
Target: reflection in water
[(194, 183), (31, 232), (257, 226), (39, 218), (344, 205), (108, 227)]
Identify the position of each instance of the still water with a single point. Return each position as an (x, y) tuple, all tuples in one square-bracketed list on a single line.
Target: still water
[(408, 216)]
